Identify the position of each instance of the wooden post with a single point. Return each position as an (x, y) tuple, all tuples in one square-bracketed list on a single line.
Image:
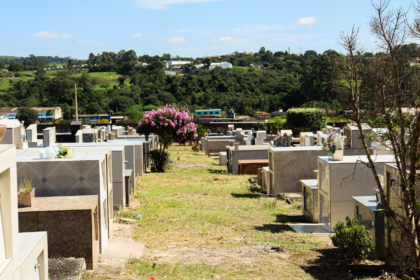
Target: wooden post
[(75, 101)]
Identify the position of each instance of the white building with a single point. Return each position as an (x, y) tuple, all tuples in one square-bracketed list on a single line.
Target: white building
[(223, 65), (171, 63)]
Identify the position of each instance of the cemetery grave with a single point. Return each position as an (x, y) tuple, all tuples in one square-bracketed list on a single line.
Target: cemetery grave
[(203, 223), (101, 200)]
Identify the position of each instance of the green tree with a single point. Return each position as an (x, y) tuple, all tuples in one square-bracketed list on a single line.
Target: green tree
[(207, 63), (166, 97), (166, 56), (70, 65), (35, 62), (251, 113), (27, 115), (105, 84), (134, 113), (310, 53), (15, 67)]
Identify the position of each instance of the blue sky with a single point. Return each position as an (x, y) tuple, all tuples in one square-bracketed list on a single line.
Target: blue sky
[(179, 27)]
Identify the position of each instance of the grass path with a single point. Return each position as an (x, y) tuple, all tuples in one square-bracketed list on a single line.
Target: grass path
[(226, 234)]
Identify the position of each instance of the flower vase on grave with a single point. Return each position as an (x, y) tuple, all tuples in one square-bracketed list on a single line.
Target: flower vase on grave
[(26, 199), (338, 155), (334, 144)]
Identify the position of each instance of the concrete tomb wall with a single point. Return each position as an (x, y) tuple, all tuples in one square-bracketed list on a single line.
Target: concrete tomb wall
[(71, 222), (85, 174), (244, 152)]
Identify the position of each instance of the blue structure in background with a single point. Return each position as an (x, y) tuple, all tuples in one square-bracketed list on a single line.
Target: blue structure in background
[(94, 118), (209, 112), (10, 116)]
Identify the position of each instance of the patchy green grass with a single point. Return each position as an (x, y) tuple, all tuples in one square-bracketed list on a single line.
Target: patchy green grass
[(8, 83), (338, 120), (25, 75), (105, 75), (201, 223)]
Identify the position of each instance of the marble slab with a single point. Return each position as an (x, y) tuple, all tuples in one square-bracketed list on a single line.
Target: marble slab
[(85, 174), (250, 167), (243, 153), (71, 224)]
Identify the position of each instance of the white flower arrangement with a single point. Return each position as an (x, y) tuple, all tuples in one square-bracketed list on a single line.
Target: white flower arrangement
[(334, 142)]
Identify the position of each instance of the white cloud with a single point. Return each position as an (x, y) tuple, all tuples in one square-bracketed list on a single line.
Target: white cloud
[(307, 21), (48, 35), (137, 35), (176, 40), (164, 4), (222, 40), (66, 36), (258, 28), (92, 43)]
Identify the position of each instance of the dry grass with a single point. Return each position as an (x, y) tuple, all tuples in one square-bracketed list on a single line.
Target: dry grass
[(226, 234)]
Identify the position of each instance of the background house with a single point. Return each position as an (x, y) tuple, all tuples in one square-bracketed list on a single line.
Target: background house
[(43, 112)]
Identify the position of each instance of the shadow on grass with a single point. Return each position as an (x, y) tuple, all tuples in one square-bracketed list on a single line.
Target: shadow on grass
[(246, 195), (216, 171), (255, 189), (284, 219), (255, 192), (273, 228), (330, 265)]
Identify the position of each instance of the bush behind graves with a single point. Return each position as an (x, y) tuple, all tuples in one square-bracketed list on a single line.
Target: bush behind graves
[(306, 119), (159, 160), (352, 240)]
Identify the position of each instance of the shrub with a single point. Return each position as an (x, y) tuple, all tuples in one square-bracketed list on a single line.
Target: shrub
[(103, 122), (260, 126), (25, 186), (352, 240), (201, 132), (159, 160), (27, 115), (304, 119)]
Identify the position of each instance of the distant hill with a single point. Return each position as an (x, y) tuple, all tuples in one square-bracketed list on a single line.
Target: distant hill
[(50, 60), (9, 57)]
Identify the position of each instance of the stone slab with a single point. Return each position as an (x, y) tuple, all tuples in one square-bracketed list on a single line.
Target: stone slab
[(250, 167), (123, 249), (71, 224), (66, 268)]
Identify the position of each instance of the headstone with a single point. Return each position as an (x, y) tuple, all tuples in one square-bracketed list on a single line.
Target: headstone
[(320, 138), (49, 136), (31, 133), (309, 140), (279, 142)]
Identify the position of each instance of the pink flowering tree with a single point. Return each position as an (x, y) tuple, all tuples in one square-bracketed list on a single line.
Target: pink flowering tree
[(172, 124)]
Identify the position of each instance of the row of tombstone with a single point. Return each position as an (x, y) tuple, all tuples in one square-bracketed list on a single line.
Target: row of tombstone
[(351, 136), (284, 139)]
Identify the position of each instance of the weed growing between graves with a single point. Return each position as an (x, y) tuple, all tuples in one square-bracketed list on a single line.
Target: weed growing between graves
[(202, 223)]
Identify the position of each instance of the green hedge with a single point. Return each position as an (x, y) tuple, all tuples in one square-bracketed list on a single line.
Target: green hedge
[(306, 119)]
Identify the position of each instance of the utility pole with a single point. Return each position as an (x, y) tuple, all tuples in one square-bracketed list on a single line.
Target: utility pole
[(75, 101)]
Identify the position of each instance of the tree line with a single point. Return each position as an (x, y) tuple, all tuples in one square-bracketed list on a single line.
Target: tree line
[(285, 81)]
